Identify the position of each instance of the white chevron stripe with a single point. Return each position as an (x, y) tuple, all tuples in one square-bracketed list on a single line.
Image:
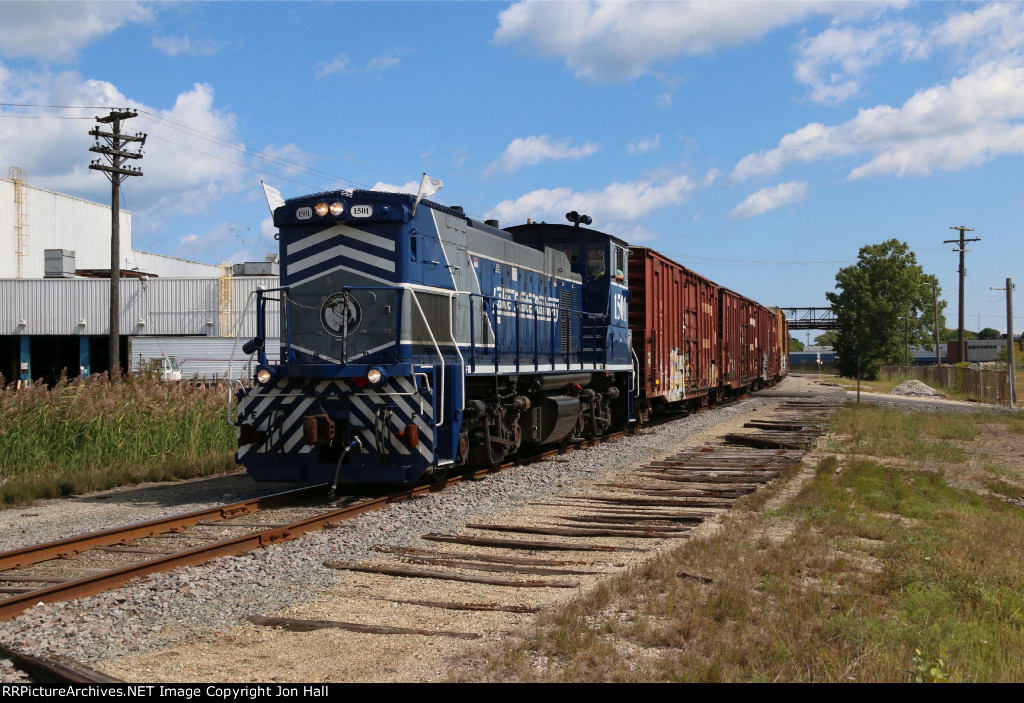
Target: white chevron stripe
[(346, 269), (345, 230), (341, 251)]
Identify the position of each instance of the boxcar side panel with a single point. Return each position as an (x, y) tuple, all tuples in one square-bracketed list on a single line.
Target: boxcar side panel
[(674, 315)]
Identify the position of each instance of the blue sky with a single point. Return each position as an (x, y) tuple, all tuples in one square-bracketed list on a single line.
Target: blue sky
[(759, 143)]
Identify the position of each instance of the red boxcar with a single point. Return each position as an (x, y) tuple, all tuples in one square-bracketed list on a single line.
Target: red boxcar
[(673, 313), (741, 358)]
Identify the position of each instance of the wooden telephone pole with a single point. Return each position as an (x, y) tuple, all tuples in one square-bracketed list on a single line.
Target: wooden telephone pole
[(113, 150), (961, 342)]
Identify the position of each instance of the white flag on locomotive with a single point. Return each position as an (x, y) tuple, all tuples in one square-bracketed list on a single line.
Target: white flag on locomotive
[(428, 186), (274, 199)]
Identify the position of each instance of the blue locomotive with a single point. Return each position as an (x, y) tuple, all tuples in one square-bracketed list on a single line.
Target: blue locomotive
[(416, 339)]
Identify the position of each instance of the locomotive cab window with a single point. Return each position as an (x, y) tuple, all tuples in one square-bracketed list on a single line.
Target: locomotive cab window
[(620, 258), (597, 264)]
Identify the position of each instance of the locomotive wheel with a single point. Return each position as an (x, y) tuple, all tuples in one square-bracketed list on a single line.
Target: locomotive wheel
[(463, 452), (478, 456)]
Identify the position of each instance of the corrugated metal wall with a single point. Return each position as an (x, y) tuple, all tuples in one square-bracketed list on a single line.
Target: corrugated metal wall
[(207, 357), (169, 306), (171, 267), (57, 221)]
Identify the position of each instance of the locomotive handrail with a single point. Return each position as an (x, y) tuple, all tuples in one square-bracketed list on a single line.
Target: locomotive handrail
[(636, 372), (440, 357), (590, 323)]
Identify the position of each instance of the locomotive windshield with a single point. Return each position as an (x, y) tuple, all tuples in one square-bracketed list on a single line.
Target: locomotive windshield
[(597, 266), (597, 261)]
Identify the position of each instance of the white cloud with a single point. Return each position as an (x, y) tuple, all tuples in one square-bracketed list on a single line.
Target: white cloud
[(175, 46), (184, 172), (642, 146), (56, 31), (342, 64), (990, 32), (383, 62), (338, 65), (614, 203), (630, 232), (770, 199), (852, 51), (412, 187), (964, 123), (242, 242), (615, 41), (529, 151)]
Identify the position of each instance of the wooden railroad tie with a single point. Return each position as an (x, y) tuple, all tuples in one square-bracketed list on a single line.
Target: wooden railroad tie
[(408, 572), (295, 625)]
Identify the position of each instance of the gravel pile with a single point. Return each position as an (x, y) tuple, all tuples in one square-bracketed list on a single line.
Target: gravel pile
[(916, 389), (196, 601)]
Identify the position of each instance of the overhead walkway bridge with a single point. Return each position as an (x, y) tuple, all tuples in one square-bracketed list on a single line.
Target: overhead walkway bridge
[(810, 318)]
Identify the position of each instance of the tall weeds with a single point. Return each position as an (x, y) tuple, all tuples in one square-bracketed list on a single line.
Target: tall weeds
[(52, 436)]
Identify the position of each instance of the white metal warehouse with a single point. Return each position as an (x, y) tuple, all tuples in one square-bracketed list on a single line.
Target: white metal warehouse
[(55, 292)]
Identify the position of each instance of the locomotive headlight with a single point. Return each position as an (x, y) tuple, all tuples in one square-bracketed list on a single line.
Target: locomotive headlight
[(264, 376), (374, 375), (337, 209), (321, 209)]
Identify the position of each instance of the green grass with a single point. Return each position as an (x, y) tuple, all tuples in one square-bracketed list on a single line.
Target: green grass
[(919, 436), (870, 573), (88, 434)]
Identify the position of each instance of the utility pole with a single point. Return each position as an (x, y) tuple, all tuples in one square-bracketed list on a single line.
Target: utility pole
[(935, 307), (1011, 368), (113, 150), (907, 343), (963, 271)]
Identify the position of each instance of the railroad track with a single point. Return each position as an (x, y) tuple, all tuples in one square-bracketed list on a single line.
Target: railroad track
[(91, 563)]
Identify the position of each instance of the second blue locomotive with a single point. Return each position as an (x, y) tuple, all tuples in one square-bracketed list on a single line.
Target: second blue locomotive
[(415, 339)]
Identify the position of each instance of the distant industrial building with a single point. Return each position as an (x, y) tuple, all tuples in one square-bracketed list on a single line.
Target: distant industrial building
[(55, 289)]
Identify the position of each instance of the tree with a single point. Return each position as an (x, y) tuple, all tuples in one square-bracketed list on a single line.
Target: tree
[(987, 333), (795, 344), (1018, 355), (826, 339), (882, 303), (948, 335)]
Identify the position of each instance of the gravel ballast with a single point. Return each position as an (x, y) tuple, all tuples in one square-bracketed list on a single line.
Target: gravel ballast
[(199, 602)]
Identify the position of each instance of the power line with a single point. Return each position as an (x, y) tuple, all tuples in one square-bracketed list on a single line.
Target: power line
[(42, 117), (755, 262), (273, 158), (236, 163), (204, 136)]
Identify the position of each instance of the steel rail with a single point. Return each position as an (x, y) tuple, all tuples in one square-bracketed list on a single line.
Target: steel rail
[(96, 583), (62, 549), (50, 670)]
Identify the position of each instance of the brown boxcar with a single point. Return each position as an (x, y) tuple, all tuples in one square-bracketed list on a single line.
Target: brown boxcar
[(741, 357), (673, 313)]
